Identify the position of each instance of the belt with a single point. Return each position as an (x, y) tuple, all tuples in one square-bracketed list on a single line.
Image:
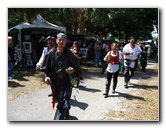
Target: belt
[(61, 76), (130, 60)]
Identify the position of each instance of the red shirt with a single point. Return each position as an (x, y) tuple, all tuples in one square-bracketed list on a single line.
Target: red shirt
[(114, 59)]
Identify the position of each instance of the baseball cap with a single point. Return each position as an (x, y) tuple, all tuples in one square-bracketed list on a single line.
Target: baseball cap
[(61, 35)]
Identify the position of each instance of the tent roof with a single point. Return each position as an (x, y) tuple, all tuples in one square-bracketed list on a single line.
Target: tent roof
[(39, 23), (22, 26)]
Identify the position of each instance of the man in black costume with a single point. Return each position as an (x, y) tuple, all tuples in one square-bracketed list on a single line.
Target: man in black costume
[(61, 64)]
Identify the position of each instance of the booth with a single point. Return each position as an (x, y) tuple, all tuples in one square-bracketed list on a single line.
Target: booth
[(28, 39)]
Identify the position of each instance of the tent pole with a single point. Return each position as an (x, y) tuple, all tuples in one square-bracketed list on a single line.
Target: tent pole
[(20, 44)]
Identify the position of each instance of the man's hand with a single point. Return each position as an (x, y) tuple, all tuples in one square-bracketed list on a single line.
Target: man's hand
[(131, 53), (70, 70), (37, 68), (47, 80)]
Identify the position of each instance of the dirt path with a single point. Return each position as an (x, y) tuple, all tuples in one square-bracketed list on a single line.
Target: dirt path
[(88, 102)]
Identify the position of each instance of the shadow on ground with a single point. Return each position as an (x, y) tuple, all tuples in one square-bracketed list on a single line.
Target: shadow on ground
[(79, 104), (14, 84), (84, 88), (143, 86), (125, 95)]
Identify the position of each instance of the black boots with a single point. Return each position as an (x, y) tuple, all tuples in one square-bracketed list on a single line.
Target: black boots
[(114, 86), (61, 114), (107, 89)]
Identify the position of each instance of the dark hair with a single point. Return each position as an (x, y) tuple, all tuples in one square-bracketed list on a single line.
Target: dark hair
[(75, 42), (132, 37)]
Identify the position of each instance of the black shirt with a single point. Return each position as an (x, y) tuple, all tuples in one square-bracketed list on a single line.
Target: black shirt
[(11, 53)]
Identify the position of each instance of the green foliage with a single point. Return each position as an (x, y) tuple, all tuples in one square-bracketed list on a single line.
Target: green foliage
[(121, 22)]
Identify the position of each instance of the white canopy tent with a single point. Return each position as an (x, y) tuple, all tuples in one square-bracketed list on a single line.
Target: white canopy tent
[(21, 26), (39, 24)]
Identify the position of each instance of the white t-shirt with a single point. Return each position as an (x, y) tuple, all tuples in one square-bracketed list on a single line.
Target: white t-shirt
[(104, 46), (45, 51), (112, 68), (134, 56)]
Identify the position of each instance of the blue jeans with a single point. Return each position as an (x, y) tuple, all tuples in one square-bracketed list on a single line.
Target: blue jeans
[(97, 58), (10, 68)]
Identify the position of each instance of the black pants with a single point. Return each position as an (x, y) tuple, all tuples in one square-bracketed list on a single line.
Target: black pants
[(143, 64), (104, 66), (128, 73), (109, 78), (62, 92)]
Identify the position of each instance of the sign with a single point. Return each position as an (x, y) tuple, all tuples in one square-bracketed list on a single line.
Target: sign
[(84, 52)]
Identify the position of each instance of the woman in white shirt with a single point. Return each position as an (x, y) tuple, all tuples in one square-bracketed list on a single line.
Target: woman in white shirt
[(113, 57)]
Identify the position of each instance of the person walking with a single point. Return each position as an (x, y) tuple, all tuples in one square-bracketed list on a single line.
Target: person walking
[(61, 64), (77, 52), (104, 64), (143, 57), (50, 41), (97, 50), (130, 54), (113, 57), (121, 45), (10, 58)]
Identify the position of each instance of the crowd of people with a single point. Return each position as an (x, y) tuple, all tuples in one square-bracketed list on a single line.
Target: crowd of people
[(59, 63)]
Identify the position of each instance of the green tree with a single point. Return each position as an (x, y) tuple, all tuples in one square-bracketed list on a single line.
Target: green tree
[(121, 22)]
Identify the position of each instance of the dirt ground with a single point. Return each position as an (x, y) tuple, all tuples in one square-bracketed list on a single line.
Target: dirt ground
[(26, 81), (146, 108), (143, 101)]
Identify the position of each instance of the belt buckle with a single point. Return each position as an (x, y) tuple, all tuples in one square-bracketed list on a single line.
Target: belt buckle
[(60, 75)]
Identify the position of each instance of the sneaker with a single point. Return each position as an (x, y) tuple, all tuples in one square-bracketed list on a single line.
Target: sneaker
[(9, 77)]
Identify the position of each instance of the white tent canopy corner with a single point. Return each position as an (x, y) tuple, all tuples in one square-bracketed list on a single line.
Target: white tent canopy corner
[(39, 22)]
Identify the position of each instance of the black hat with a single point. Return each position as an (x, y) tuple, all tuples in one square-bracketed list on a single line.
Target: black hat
[(49, 37)]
